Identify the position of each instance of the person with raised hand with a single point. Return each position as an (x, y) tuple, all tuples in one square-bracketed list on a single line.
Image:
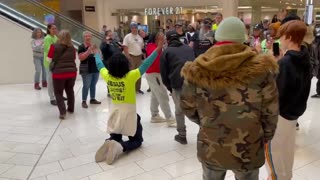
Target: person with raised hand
[(123, 120)]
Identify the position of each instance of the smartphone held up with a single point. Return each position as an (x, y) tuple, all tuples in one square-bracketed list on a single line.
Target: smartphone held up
[(276, 49)]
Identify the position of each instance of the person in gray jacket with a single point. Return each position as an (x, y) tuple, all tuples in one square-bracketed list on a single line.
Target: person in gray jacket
[(37, 49), (172, 60)]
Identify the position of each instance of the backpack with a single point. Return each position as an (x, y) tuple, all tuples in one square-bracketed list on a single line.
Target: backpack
[(315, 56)]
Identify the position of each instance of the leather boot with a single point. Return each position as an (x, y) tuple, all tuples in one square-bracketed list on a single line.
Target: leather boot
[(37, 86), (44, 84)]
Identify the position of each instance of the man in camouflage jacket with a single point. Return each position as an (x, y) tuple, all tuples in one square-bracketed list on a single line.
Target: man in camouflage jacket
[(231, 92)]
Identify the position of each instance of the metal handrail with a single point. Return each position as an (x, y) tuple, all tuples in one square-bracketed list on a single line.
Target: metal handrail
[(73, 22), (24, 20)]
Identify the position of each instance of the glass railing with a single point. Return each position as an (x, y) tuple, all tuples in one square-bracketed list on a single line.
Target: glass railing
[(41, 15)]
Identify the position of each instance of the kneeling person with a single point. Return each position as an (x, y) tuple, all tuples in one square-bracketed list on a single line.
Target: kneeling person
[(123, 119)]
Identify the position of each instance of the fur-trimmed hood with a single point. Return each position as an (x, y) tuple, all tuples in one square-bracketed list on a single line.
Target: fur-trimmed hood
[(229, 65)]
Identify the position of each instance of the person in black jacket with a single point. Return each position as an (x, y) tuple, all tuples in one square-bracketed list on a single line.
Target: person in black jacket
[(109, 47), (293, 84), (172, 60)]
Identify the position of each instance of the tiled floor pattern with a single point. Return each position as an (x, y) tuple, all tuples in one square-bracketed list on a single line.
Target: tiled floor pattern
[(28, 123)]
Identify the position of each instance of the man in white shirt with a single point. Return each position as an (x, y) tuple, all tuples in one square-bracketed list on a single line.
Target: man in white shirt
[(132, 46)]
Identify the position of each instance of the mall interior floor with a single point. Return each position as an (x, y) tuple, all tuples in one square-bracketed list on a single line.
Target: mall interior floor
[(35, 144)]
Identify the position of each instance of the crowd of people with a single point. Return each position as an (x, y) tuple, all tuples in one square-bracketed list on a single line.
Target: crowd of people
[(246, 91)]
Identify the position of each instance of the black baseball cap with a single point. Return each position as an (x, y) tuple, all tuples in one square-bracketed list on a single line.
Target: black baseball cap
[(172, 35), (258, 27)]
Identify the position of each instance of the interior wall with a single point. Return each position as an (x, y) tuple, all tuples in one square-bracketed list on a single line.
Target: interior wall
[(17, 59), (16, 54)]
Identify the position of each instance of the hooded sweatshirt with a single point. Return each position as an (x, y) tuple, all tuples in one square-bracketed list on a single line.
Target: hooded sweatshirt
[(172, 60), (294, 82), (231, 92)]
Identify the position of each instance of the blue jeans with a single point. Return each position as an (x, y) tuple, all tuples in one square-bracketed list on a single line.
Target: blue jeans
[(39, 67), (89, 82)]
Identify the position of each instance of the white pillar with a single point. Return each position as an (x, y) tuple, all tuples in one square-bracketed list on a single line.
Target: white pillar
[(105, 11), (256, 13), (229, 8), (101, 16), (90, 18)]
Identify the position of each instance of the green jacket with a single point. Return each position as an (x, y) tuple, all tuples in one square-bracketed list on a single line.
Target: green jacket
[(48, 40), (231, 92)]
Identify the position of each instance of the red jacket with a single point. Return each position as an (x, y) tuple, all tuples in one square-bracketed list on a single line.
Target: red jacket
[(155, 67)]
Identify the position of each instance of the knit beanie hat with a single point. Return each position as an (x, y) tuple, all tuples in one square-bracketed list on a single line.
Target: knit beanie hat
[(231, 29)]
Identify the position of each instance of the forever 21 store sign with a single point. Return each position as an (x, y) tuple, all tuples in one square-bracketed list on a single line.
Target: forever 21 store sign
[(163, 11)]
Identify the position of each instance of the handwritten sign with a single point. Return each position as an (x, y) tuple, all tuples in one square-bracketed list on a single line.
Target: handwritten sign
[(163, 11)]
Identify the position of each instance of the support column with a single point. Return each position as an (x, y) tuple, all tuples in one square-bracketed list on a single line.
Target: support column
[(101, 16), (256, 13), (229, 8), (90, 18), (105, 11)]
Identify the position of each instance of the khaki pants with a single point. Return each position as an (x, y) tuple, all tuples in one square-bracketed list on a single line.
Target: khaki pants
[(159, 95), (135, 62), (280, 151), (50, 85), (181, 124)]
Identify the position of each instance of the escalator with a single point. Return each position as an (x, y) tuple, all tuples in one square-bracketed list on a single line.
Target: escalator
[(32, 14)]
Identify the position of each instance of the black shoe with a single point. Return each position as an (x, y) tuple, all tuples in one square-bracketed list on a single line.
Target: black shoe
[(180, 139), (149, 90), (65, 99), (62, 116), (140, 92), (84, 105), (94, 101), (315, 96), (297, 126), (70, 111), (53, 102)]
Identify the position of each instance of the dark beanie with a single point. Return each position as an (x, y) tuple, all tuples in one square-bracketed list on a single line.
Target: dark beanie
[(290, 17)]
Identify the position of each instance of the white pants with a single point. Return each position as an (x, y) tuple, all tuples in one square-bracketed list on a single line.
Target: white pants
[(50, 85), (280, 151), (159, 95)]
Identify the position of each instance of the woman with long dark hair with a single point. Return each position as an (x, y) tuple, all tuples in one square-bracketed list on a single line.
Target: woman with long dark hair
[(50, 39)]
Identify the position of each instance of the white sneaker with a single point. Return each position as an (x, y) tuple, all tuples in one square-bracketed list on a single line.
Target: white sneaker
[(171, 122), (102, 152), (157, 119), (114, 150)]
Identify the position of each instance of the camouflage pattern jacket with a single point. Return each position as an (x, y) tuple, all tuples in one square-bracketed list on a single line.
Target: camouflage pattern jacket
[(231, 92)]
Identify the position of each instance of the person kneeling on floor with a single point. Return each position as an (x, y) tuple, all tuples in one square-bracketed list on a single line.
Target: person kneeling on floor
[(121, 83)]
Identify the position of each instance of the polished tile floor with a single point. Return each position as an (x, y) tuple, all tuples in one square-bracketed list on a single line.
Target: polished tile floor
[(34, 144)]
